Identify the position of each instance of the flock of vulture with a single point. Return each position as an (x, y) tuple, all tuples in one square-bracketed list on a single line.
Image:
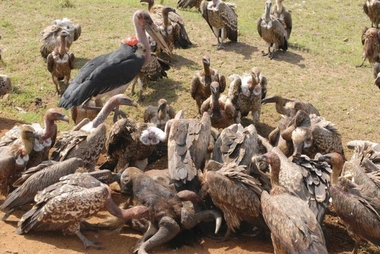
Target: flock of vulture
[(217, 169)]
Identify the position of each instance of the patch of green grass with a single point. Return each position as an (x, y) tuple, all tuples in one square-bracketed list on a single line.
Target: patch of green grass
[(319, 66)]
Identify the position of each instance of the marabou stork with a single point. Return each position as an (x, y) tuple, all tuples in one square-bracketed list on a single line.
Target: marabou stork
[(106, 74)]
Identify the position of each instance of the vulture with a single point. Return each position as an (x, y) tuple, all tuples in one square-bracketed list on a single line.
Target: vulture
[(14, 158), (36, 179), (105, 75), (256, 71), (159, 114), (86, 140), (174, 27), (50, 36), (371, 45), (154, 70), (284, 16), (272, 31), (188, 145), (65, 204), (60, 63), (235, 192), (317, 136), (372, 9), (236, 144), (222, 19), (5, 84), (376, 71), (124, 147), (46, 136), (287, 108), (167, 215), (188, 4), (219, 107), (200, 83), (245, 93), (294, 228), (309, 179)]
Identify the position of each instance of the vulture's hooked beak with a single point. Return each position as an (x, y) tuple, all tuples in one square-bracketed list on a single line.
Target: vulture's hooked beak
[(153, 31)]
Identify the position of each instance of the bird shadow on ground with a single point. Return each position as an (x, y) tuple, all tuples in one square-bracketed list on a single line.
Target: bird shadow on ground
[(79, 62), (162, 88), (178, 61), (242, 48), (289, 57)]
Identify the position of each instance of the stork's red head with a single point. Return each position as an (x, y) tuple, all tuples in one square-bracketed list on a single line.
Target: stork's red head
[(131, 41)]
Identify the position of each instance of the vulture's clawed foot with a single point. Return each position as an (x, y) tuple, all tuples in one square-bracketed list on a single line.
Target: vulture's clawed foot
[(264, 54), (220, 46), (87, 243)]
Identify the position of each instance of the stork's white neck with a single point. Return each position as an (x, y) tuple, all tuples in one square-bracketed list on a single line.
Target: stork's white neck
[(142, 38)]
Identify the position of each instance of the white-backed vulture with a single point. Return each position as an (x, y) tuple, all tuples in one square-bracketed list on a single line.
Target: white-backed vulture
[(220, 108), (283, 15), (294, 227), (272, 31), (14, 158), (65, 204), (371, 45), (200, 83), (47, 136), (159, 114), (245, 92), (222, 19), (60, 63), (50, 35), (86, 140), (5, 84), (372, 9)]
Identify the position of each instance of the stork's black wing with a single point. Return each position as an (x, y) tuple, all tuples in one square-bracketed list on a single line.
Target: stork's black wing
[(102, 74)]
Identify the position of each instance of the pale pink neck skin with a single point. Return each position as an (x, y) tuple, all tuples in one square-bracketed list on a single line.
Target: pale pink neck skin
[(141, 36), (62, 47), (50, 129), (104, 112)]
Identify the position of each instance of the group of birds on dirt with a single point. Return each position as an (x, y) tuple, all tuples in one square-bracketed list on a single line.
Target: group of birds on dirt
[(214, 167)]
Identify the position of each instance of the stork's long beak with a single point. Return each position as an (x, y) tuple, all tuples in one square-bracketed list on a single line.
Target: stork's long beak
[(153, 31)]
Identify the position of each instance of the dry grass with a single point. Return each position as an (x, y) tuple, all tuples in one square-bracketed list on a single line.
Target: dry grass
[(319, 66)]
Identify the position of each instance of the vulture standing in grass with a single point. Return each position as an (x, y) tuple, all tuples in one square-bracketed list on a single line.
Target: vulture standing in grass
[(219, 107), (293, 226), (36, 179), (159, 114), (372, 9), (14, 158), (5, 84), (60, 63), (188, 145), (167, 215), (50, 36), (235, 192), (65, 204), (47, 136), (180, 36), (376, 75), (200, 84), (272, 31), (371, 45), (108, 74), (283, 15), (222, 20), (86, 140), (245, 92)]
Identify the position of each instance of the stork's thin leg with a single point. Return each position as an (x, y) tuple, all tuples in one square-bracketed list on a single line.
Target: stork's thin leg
[(87, 243), (141, 88), (133, 85), (168, 229)]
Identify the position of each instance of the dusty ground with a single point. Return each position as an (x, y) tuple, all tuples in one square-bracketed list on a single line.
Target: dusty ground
[(337, 238)]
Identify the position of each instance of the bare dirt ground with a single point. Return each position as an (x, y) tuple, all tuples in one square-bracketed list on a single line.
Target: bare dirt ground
[(337, 238)]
